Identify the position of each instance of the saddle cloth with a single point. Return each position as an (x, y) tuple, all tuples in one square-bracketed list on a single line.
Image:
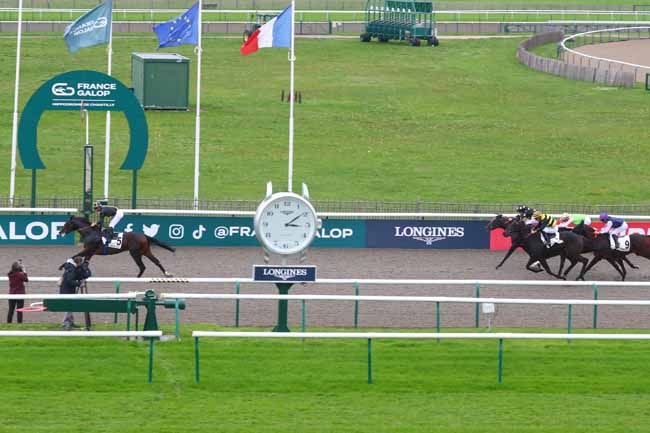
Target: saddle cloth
[(116, 241), (623, 243), (554, 240)]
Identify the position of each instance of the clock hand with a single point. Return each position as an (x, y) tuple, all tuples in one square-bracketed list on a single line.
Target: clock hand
[(290, 223)]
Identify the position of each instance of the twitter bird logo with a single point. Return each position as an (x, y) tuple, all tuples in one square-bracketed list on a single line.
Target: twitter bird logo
[(150, 231)]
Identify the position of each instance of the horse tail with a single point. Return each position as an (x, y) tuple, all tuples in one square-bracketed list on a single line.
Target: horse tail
[(160, 244)]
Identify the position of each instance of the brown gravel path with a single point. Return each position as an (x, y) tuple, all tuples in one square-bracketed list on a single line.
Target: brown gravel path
[(387, 263)]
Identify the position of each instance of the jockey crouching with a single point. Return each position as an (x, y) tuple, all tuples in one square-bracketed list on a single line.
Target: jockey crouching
[(567, 220), (548, 225), (614, 226), (107, 212)]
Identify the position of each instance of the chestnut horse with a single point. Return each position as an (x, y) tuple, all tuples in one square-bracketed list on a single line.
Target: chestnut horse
[(137, 244)]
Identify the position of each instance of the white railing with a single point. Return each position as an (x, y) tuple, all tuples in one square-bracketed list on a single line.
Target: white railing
[(364, 281), (38, 209), (565, 49), (143, 334), (30, 296), (441, 299), (320, 214), (369, 336)]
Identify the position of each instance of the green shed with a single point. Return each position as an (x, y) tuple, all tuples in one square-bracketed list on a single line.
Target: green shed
[(161, 81)]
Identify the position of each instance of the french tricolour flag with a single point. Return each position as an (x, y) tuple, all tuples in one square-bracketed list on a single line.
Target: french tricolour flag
[(274, 34)]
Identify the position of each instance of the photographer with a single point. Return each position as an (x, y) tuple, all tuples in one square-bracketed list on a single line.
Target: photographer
[(17, 279), (75, 270)]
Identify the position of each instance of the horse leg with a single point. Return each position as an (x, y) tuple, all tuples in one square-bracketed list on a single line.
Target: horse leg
[(619, 266), (562, 259), (595, 260), (137, 258), (531, 262), (632, 265), (507, 256), (156, 262), (584, 262), (573, 263)]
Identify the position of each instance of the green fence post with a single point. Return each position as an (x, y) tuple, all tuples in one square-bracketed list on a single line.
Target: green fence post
[(500, 360), (356, 305), (177, 331), (569, 321), (438, 319), (151, 360), (477, 294), (595, 325), (128, 315), (117, 290), (196, 358), (369, 361), (303, 320), (237, 305)]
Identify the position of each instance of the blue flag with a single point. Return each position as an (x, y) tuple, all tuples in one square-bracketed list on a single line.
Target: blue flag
[(93, 28), (184, 29)]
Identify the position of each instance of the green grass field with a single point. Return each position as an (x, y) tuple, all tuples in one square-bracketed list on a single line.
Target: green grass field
[(100, 385), (461, 122)]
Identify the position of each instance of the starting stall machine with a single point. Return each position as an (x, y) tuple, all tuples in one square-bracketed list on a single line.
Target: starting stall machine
[(402, 20)]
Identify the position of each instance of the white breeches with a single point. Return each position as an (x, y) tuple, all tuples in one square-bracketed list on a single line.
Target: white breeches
[(116, 219)]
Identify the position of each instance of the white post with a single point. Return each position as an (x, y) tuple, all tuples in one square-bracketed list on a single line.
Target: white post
[(14, 131), (107, 149), (292, 60), (85, 113), (197, 126)]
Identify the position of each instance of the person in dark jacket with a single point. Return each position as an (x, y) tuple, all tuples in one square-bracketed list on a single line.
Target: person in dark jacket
[(75, 270), (17, 280)]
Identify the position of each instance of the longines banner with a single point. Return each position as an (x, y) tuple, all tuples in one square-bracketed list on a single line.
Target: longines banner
[(426, 234)]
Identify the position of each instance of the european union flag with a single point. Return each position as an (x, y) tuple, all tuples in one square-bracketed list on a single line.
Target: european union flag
[(184, 29)]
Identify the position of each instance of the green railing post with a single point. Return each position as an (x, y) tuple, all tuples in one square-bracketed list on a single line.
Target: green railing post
[(128, 315), (369, 361), (177, 331), (500, 360), (595, 324), (151, 359), (303, 320), (237, 305), (569, 319), (438, 319), (196, 358), (117, 290), (356, 305), (477, 294)]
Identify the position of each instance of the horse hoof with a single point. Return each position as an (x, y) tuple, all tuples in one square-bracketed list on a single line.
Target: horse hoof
[(168, 275)]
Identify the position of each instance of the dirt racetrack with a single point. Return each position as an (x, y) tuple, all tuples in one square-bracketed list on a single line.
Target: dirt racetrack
[(351, 263)]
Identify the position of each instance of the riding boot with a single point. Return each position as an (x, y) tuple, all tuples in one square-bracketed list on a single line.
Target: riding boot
[(615, 241), (547, 241)]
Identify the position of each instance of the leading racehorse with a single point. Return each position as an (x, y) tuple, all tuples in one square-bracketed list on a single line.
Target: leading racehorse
[(137, 244)]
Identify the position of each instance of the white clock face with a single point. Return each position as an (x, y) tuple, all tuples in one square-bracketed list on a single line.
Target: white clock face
[(285, 223)]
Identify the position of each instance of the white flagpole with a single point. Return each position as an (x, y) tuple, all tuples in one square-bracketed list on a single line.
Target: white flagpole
[(292, 60), (14, 131), (107, 149), (197, 126)]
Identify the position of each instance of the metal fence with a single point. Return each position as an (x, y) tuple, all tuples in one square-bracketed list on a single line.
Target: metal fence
[(602, 74), (374, 206), (307, 4)]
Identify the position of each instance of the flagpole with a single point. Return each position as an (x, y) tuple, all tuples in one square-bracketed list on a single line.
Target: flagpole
[(107, 149), (14, 131), (197, 126), (292, 60)]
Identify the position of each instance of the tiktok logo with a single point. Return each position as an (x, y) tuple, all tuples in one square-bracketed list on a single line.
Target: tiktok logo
[(198, 233)]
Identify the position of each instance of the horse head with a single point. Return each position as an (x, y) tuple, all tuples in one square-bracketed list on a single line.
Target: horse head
[(585, 230), (516, 228), (498, 222), (73, 224)]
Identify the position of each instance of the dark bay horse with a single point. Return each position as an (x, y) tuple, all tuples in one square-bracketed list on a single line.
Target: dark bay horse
[(137, 244), (639, 245)]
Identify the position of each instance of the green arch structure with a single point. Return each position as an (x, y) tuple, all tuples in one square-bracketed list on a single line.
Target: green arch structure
[(83, 90)]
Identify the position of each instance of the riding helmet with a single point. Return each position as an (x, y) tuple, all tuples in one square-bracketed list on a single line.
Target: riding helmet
[(603, 216)]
